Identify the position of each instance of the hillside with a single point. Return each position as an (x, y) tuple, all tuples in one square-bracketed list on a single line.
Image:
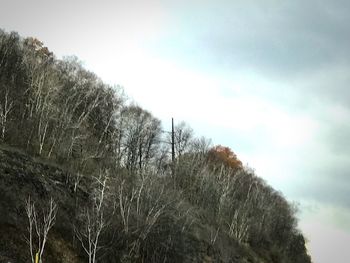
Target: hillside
[(21, 176), (74, 146)]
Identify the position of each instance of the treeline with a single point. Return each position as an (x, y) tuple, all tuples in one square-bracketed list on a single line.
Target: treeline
[(142, 207), (56, 109)]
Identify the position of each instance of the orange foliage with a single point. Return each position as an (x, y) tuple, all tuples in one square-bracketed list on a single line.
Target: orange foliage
[(38, 46), (221, 155)]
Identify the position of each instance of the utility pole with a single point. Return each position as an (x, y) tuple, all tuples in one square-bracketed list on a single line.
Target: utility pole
[(172, 147)]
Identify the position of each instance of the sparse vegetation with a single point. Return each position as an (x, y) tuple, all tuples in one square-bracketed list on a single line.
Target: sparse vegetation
[(39, 225), (107, 163)]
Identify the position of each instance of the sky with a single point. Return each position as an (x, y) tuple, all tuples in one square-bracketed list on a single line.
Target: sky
[(268, 78)]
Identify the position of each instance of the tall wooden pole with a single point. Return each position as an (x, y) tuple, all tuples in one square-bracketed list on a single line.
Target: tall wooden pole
[(173, 146), (172, 141)]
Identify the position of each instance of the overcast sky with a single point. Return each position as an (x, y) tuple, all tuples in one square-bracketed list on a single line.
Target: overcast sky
[(267, 78)]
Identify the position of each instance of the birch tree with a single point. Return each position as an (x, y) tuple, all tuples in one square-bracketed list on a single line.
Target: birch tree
[(6, 106), (94, 219), (39, 225)]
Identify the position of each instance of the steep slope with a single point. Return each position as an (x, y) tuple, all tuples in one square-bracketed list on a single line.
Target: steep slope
[(67, 136), (22, 176)]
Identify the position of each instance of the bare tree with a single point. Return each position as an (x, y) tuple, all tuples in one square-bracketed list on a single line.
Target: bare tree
[(43, 85), (5, 109), (39, 227), (93, 218), (239, 225), (139, 211), (183, 136), (141, 137), (125, 205)]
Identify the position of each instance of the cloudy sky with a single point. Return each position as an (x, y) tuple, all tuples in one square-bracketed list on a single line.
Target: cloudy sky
[(268, 78)]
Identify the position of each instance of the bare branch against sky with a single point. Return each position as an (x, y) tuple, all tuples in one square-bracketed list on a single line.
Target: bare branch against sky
[(268, 79)]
